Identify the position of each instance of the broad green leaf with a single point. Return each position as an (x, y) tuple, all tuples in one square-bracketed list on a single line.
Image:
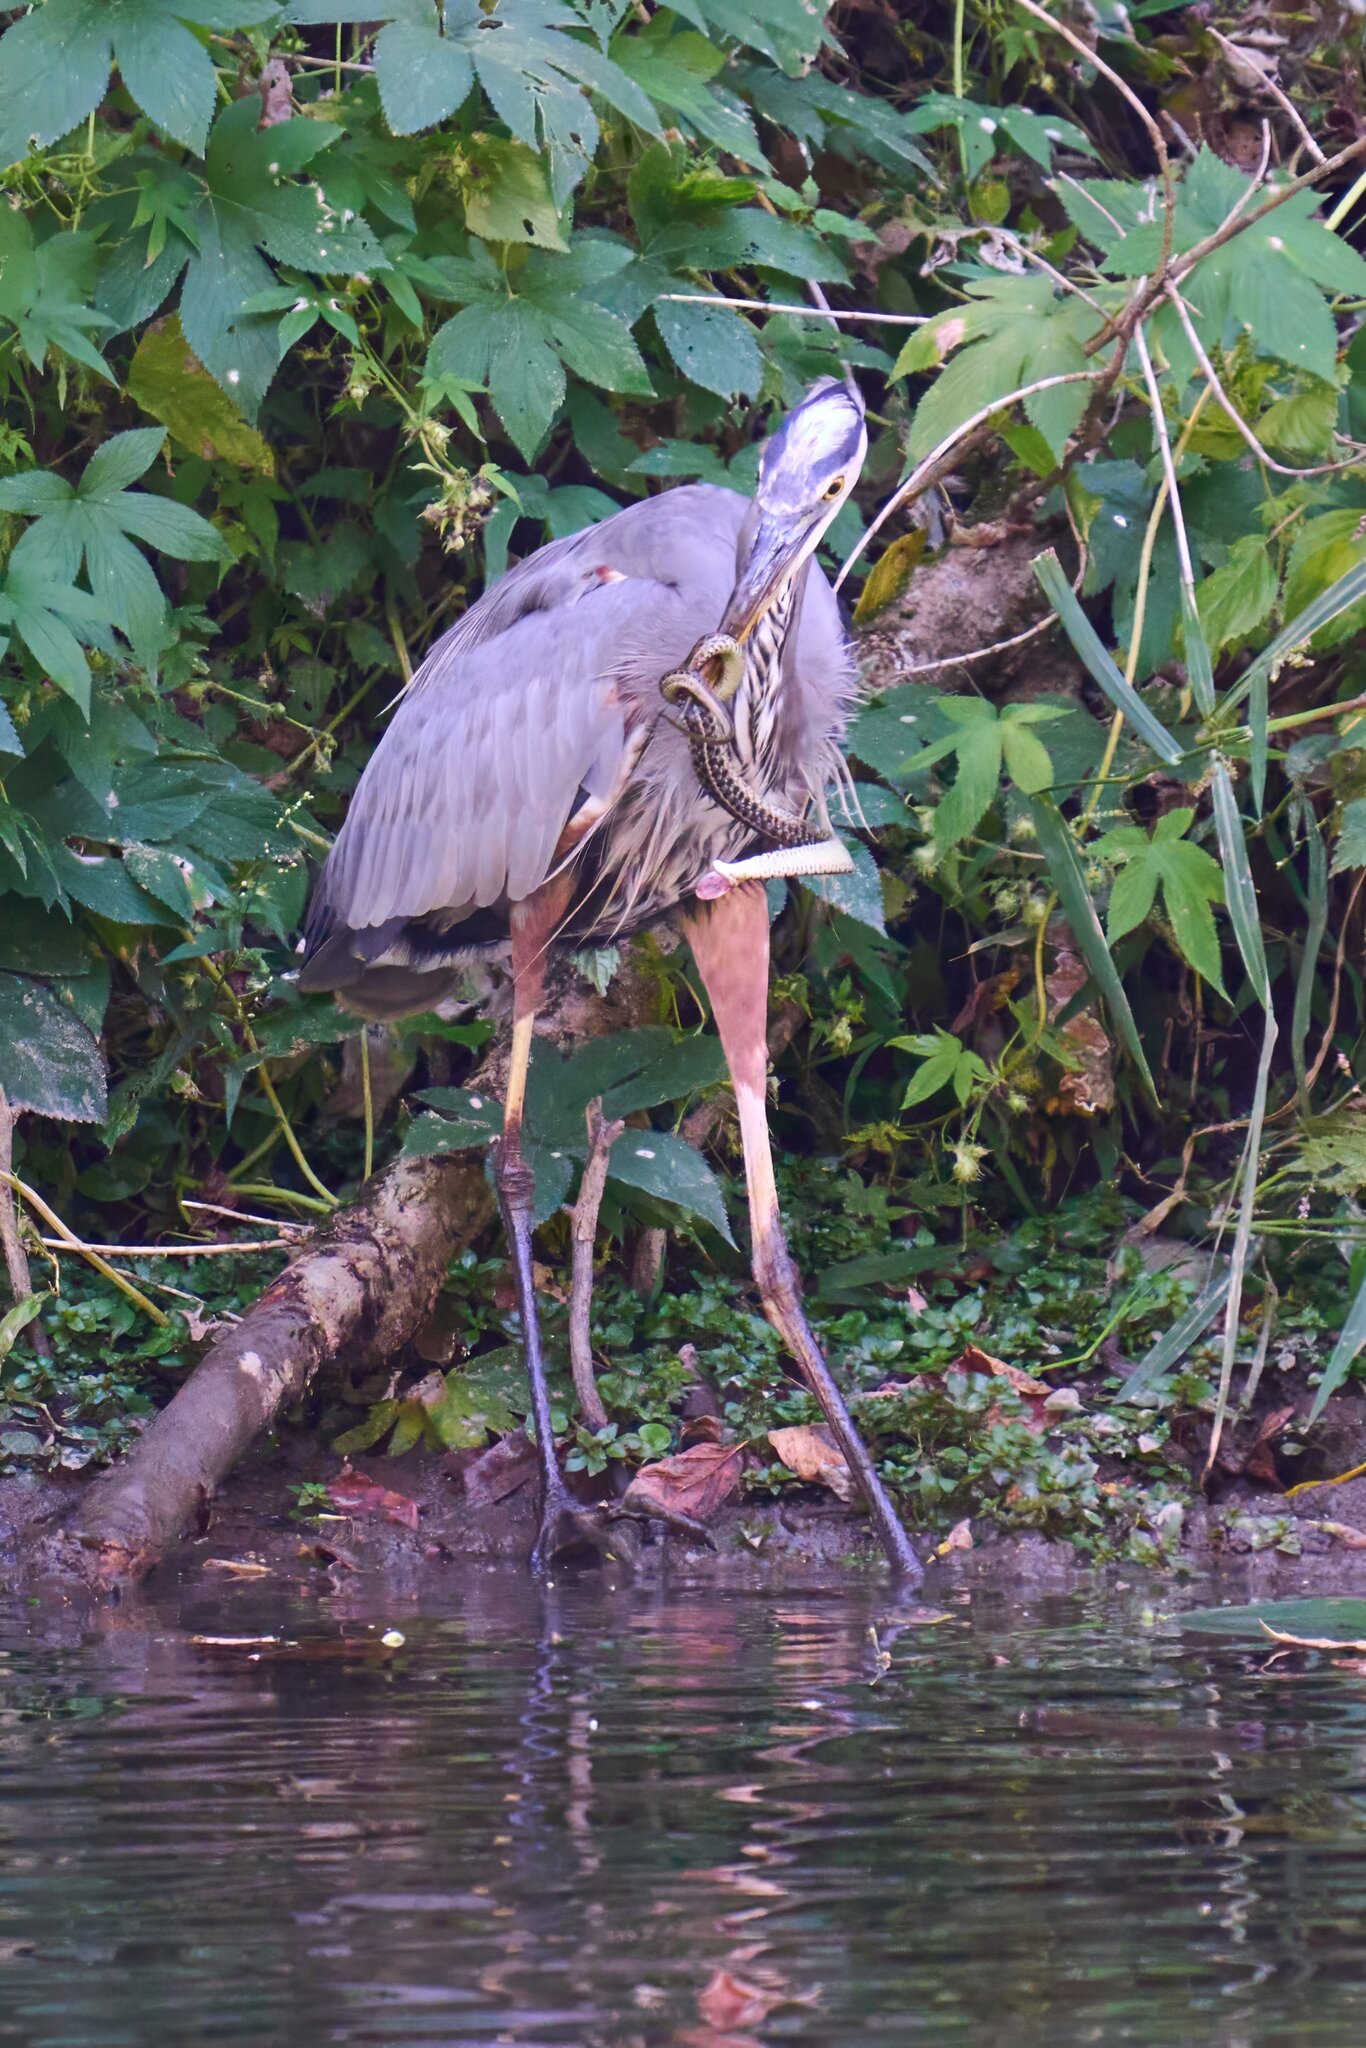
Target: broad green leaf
[(1012, 331), (671, 1170), (1348, 590), (55, 62), (46, 288), (423, 75), (1334, 1619), (676, 70), (167, 380), (511, 201), (857, 895), (1190, 881), (16, 1319), (49, 1061), (1350, 849), (713, 347)]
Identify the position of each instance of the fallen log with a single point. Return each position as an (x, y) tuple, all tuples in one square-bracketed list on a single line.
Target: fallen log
[(351, 1297)]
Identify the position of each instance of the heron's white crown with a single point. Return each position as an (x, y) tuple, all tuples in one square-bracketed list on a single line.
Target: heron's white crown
[(822, 441)]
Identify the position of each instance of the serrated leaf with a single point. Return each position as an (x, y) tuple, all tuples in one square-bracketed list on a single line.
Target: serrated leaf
[(713, 347), (671, 1170), (511, 201), (423, 76), (49, 1061), (167, 380)]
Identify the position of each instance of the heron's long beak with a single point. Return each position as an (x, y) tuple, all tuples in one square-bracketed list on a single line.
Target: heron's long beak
[(778, 549)]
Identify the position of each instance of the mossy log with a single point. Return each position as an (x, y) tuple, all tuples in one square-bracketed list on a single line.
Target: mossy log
[(351, 1297)]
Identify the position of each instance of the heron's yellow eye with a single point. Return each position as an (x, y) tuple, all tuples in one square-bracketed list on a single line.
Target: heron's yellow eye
[(836, 487)]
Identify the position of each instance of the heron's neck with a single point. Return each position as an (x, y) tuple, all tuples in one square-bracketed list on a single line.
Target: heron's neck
[(759, 699)]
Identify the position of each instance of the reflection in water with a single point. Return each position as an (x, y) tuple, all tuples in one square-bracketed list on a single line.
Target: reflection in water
[(693, 1820)]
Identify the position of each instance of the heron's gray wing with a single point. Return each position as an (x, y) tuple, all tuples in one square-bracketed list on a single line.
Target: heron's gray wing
[(516, 711)]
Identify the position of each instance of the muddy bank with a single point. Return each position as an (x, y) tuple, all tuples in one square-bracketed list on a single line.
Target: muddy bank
[(432, 1529)]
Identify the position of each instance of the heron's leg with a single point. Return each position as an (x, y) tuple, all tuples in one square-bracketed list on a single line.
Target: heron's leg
[(565, 1525), (730, 944)]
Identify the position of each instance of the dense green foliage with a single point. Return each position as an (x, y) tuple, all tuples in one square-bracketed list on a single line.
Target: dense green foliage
[(311, 314)]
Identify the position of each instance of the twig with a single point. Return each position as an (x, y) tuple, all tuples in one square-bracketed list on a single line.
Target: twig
[(1175, 299), (293, 1230), (1330, 1028), (1249, 74), (802, 312), (1183, 552), (177, 1251), (1126, 92), (73, 1243), (369, 1102), (602, 1135), (921, 475)]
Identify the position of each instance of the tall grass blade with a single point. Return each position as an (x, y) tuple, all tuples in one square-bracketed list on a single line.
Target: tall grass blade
[(1349, 589), (1239, 888), (1344, 1352), (1302, 816), (1065, 873), (1241, 893), (1091, 649), (1199, 666), (1173, 1345), (1245, 1189)]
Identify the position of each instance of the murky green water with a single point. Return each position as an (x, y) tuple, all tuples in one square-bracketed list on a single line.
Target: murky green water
[(576, 1818)]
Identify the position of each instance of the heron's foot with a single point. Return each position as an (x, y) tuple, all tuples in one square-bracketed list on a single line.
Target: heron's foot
[(571, 1532)]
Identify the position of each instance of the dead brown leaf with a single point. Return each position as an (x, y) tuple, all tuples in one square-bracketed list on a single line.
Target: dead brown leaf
[(1089, 1085), (320, 1551), (1344, 1533), (812, 1455), (989, 995), (492, 1475), (1310, 1642), (958, 1538), (973, 1359), (693, 1483), (729, 2002), (238, 1567), (1258, 1462), (352, 1493)]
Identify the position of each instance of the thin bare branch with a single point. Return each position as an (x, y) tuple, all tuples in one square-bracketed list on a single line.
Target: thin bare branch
[(1175, 299), (1249, 73), (801, 312), (602, 1135)]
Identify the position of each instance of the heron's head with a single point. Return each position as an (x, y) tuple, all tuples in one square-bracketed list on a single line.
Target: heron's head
[(805, 474)]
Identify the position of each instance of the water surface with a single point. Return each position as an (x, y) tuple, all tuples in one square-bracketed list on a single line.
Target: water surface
[(690, 1819)]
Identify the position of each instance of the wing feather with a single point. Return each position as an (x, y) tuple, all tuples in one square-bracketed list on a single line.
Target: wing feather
[(516, 708)]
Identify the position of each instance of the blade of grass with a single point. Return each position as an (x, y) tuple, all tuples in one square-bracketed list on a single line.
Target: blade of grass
[(1348, 590), (1199, 665), (1173, 1345), (1241, 893), (1092, 651), (1069, 880), (1345, 1352), (1302, 816)]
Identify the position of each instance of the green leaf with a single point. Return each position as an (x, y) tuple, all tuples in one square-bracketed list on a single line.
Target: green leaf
[(713, 347), (423, 75), (857, 895), (1190, 881), (16, 1319), (511, 201), (1238, 596), (1068, 878), (1012, 331), (676, 71), (978, 749), (45, 291), (49, 1061), (1337, 1619), (668, 1168)]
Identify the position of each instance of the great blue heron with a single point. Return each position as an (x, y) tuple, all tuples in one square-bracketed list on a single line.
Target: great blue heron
[(641, 718)]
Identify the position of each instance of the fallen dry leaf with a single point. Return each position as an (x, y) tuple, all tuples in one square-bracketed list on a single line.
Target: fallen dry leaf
[(693, 1483), (320, 1551), (812, 1456), (1344, 1533), (351, 1493), (958, 1538), (1310, 1642), (492, 1475), (238, 1567), (729, 2001), (974, 1359), (1089, 1084)]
